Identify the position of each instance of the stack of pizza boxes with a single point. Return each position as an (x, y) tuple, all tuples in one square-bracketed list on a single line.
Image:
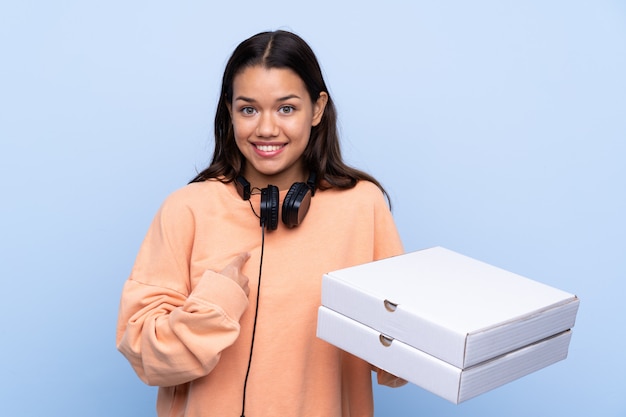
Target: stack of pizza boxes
[(450, 324)]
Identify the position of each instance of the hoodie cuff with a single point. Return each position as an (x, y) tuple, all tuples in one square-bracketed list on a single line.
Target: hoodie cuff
[(221, 291)]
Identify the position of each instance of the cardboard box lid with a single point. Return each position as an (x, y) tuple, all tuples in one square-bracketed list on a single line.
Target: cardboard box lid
[(448, 305), (439, 377)]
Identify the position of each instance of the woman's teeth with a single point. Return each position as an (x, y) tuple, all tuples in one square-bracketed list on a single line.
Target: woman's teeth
[(268, 148)]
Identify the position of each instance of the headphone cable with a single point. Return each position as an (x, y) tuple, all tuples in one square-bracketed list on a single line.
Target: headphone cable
[(256, 315)]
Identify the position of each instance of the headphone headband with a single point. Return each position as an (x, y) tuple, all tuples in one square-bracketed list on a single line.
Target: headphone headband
[(244, 188), (295, 206)]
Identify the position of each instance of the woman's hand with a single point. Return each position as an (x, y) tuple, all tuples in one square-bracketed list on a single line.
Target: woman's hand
[(233, 271)]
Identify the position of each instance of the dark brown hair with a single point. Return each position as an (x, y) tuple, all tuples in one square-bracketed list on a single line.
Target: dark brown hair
[(282, 49)]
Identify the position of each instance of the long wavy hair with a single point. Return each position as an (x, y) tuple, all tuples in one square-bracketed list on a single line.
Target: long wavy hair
[(282, 49)]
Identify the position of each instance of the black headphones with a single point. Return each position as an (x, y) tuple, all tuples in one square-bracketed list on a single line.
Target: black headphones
[(295, 205)]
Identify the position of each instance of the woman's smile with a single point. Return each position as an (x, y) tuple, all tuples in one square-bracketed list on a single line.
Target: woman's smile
[(269, 150)]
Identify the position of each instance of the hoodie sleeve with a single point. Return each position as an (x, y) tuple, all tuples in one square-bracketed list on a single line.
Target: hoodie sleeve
[(170, 332), (387, 243)]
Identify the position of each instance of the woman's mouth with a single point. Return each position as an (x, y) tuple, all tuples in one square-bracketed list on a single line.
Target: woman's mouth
[(268, 148)]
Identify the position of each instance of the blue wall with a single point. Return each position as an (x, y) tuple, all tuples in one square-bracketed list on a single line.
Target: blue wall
[(499, 129)]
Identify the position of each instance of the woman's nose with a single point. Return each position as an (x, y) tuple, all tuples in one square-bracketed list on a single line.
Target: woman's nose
[(267, 126)]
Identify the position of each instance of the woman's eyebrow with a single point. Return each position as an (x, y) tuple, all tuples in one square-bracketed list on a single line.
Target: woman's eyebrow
[(246, 99), (289, 97), (251, 100)]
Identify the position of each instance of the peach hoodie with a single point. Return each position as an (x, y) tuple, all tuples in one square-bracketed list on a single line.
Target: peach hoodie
[(187, 329)]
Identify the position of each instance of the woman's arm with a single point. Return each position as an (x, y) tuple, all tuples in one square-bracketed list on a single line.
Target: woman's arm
[(172, 333)]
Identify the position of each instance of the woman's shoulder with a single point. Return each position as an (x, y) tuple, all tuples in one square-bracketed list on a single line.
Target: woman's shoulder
[(196, 194), (368, 187), (363, 191)]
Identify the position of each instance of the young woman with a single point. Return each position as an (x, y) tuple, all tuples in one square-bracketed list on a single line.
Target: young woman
[(220, 308)]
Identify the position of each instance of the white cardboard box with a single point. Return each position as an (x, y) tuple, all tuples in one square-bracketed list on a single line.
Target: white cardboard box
[(439, 377), (472, 325)]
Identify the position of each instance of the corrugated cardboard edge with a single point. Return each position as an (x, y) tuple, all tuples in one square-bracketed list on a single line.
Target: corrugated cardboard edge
[(483, 344), (489, 375)]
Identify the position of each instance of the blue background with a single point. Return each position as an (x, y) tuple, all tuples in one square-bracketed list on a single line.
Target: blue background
[(498, 128)]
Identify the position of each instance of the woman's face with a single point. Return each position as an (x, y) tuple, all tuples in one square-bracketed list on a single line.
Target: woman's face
[(272, 116)]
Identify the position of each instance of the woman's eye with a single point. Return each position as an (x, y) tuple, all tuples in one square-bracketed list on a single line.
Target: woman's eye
[(287, 109), (247, 111)]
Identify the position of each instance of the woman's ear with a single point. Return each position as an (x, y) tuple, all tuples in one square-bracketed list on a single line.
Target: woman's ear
[(318, 108)]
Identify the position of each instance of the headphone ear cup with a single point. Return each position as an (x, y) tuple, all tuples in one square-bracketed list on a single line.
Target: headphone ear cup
[(296, 204), (269, 207)]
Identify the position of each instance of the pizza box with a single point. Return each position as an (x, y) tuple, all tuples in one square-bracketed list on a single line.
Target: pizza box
[(459, 314), (455, 308), (447, 381)]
